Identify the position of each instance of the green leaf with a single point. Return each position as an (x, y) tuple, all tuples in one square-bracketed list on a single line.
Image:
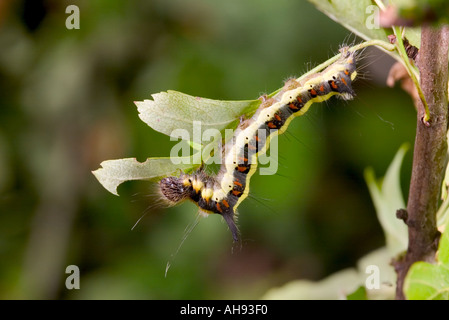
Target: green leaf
[(413, 36), (354, 15), (173, 110), (359, 294), (387, 198), (358, 16), (443, 251), (115, 172), (426, 281), (344, 284), (443, 211)]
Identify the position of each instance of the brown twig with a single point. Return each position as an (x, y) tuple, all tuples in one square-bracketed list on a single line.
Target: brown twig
[(429, 154)]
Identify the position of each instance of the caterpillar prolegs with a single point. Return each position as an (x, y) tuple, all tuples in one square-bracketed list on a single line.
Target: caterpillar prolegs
[(224, 192)]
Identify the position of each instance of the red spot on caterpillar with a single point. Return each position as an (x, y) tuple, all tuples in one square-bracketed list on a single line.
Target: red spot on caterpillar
[(241, 168), (313, 92), (219, 208), (334, 85), (225, 203), (292, 106), (322, 88), (236, 193), (278, 118), (257, 138), (299, 99), (243, 159), (238, 183), (347, 72), (344, 81), (271, 125)]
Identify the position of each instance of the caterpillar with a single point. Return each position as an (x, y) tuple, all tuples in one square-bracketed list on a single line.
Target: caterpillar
[(223, 193)]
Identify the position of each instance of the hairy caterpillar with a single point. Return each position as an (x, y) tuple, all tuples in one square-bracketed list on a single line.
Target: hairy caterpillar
[(223, 193)]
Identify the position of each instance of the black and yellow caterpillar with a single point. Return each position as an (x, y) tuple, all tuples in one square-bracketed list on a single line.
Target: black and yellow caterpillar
[(223, 193)]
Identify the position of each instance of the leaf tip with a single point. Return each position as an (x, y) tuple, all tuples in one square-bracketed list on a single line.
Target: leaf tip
[(103, 180), (369, 175)]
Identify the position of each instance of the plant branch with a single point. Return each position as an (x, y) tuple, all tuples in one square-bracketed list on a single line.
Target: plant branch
[(429, 156), (409, 68)]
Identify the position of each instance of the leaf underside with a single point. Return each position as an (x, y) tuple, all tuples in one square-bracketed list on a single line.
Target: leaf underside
[(115, 172)]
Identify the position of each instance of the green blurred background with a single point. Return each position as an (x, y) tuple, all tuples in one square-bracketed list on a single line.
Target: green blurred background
[(66, 104)]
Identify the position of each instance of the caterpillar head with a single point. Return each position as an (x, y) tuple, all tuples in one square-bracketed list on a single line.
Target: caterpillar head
[(349, 61), (347, 73), (174, 189)]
